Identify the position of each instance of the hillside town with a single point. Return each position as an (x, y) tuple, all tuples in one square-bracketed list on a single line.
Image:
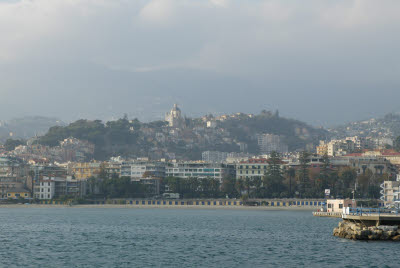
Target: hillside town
[(365, 166)]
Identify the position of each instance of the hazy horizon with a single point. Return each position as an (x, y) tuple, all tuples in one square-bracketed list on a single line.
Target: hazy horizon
[(325, 63)]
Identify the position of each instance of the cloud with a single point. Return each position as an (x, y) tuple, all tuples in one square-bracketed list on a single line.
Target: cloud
[(295, 46), (158, 12)]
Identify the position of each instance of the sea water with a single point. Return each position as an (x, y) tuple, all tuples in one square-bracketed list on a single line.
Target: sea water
[(133, 237)]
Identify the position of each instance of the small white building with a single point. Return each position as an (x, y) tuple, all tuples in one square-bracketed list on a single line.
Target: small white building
[(211, 124), (337, 205)]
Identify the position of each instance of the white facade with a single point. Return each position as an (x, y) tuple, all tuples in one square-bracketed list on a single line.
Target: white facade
[(270, 142), (174, 117), (211, 124), (137, 170), (390, 192), (195, 170), (46, 189)]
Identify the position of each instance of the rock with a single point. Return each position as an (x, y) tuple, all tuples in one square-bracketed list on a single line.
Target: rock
[(365, 233), (396, 238), (384, 236), (387, 228), (373, 237), (392, 233), (336, 231)]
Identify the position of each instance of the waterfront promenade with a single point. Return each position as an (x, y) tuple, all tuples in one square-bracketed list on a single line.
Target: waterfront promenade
[(310, 204)]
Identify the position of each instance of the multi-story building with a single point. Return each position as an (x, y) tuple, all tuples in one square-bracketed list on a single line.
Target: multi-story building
[(251, 168), (12, 166), (322, 149), (11, 182), (49, 170), (45, 188), (140, 169), (112, 168), (377, 165), (83, 171), (336, 147), (270, 142), (55, 187), (193, 169), (390, 192), (214, 156)]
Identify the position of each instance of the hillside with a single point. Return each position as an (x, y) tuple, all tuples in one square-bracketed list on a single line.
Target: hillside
[(387, 126), (132, 138)]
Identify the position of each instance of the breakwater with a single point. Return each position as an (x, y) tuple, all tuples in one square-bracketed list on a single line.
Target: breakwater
[(369, 224), (358, 231)]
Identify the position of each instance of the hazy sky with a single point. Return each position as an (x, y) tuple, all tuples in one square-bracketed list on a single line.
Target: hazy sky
[(323, 62)]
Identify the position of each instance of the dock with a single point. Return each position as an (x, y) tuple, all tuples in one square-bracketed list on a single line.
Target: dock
[(372, 216), (327, 214)]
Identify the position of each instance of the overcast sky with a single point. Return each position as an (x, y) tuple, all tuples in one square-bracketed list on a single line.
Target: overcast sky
[(324, 62)]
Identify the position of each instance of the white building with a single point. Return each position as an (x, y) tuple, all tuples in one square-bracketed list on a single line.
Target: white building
[(270, 142), (174, 117), (390, 192), (139, 169), (46, 189), (193, 169), (211, 124)]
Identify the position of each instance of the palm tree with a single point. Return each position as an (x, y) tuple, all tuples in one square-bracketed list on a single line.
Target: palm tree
[(239, 186), (247, 185), (291, 173)]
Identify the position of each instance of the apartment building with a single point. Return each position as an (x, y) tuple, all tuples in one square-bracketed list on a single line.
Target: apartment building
[(251, 168), (139, 169), (198, 169)]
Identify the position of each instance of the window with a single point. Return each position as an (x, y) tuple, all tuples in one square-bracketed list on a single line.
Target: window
[(329, 205), (41, 189), (41, 196), (340, 205), (48, 183), (48, 190), (48, 196)]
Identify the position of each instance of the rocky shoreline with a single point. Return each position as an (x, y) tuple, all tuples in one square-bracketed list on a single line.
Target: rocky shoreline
[(357, 231)]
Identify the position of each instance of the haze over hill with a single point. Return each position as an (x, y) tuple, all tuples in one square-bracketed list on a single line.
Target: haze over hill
[(316, 61)]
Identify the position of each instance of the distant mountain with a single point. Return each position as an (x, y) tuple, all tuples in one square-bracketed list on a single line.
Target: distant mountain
[(27, 127), (387, 126), (132, 138)]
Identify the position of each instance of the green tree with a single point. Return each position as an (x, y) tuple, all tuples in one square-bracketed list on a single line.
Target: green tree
[(228, 187), (303, 174), (10, 144), (273, 179), (239, 185), (291, 173)]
